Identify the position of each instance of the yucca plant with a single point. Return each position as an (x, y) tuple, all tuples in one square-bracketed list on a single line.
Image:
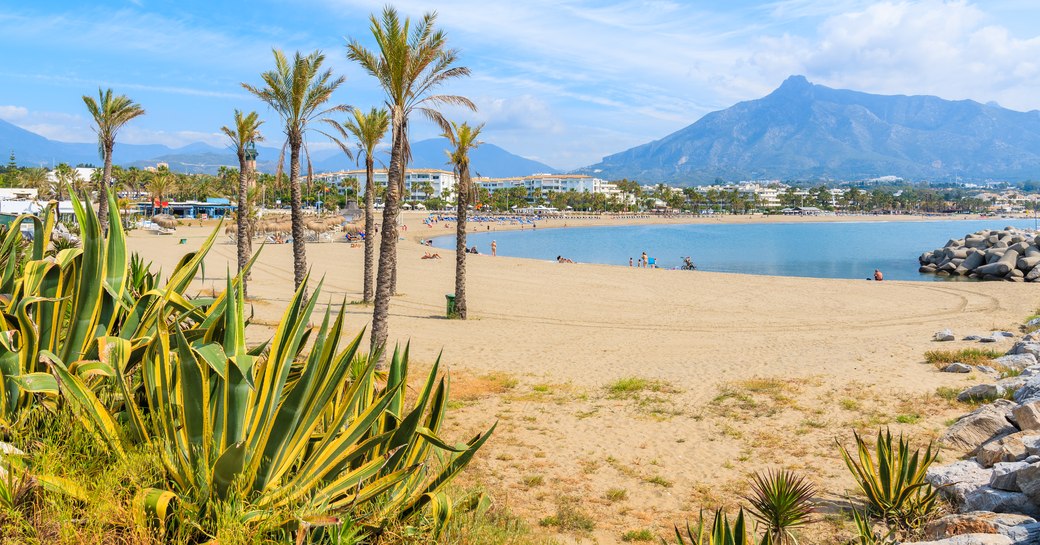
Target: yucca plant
[(782, 501), (721, 533), (894, 483)]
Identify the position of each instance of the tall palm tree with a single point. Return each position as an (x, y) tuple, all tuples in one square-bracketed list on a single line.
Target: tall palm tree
[(368, 129), (298, 90), (462, 139), (245, 133), (408, 64), (110, 113)]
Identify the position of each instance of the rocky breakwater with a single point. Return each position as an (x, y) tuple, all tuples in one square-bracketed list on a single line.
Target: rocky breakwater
[(995, 486), (1009, 254)]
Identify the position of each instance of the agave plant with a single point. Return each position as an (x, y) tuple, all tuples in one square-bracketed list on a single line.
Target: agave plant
[(63, 303), (782, 501), (721, 533), (894, 483), (865, 534)]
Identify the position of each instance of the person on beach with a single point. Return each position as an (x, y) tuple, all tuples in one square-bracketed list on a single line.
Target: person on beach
[(428, 255), (494, 248), (878, 276), (630, 262), (642, 261), (561, 259)]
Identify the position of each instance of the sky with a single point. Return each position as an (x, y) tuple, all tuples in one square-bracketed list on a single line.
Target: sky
[(564, 82)]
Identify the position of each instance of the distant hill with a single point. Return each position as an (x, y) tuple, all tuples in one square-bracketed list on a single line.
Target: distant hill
[(487, 160), (31, 149), (804, 131)]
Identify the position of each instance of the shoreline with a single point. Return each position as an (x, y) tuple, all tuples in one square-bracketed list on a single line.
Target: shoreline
[(742, 372)]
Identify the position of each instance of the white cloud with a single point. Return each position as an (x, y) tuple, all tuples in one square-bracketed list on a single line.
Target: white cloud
[(13, 113)]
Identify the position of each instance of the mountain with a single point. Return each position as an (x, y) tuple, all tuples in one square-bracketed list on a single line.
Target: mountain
[(31, 149), (804, 131), (487, 160)]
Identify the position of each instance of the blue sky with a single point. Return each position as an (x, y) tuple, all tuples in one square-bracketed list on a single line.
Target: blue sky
[(560, 81)]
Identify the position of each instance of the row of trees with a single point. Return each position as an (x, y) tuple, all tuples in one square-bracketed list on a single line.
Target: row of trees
[(409, 63)]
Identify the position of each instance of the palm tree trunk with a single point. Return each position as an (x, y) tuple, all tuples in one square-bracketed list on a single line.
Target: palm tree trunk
[(244, 240), (387, 245), (370, 212), (460, 244), (103, 190), (296, 205)]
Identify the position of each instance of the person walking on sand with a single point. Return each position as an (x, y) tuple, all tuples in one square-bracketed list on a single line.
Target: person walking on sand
[(494, 248), (878, 276), (642, 261), (630, 262)]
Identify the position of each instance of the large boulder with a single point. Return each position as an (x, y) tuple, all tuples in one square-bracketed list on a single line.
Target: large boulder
[(1017, 527), (1005, 475), (1017, 361), (1030, 390), (968, 539), (981, 392), (999, 501), (1010, 448), (957, 480), (1028, 480), (982, 425), (1027, 416), (1025, 347)]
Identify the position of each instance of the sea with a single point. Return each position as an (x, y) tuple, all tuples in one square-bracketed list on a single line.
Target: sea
[(817, 250)]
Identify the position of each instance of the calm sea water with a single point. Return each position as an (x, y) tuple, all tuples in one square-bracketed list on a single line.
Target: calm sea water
[(818, 250)]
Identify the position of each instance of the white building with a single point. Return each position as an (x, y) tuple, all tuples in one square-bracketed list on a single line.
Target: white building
[(541, 185), (441, 183)]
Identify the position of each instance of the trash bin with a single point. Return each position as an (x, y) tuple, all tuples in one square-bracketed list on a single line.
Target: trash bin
[(450, 310)]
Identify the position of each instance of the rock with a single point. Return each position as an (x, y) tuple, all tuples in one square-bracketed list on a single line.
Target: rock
[(972, 338), (1029, 391), (1011, 384), (1023, 347), (929, 268), (981, 392), (980, 426), (1032, 275), (944, 335), (990, 339), (979, 522), (986, 369), (968, 539), (9, 449), (1005, 475), (1033, 322), (1010, 448), (1017, 361), (1027, 415), (957, 367), (955, 481), (1000, 501), (1028, 480)]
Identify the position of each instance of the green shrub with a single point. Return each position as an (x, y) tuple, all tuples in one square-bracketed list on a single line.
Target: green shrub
[(969, 356), (893, 481), (782, 501)]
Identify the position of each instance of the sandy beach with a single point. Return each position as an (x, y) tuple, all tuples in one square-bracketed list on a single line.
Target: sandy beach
[(722, 374)]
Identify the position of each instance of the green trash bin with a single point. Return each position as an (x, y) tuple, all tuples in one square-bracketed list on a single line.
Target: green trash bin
[(450, 310)]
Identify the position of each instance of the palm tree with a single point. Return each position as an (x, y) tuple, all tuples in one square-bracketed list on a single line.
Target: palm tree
[(162, 183), (409, 64), (368, 129), (65, 176), (245, 133), (297, 90), (110, 113), (462, 139), (36, 178)]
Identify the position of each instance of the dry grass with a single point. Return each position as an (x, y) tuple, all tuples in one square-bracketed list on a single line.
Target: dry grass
[(969, 356)]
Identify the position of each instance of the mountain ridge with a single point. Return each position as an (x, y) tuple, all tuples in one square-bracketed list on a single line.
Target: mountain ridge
[(31, 149), (805, 131)]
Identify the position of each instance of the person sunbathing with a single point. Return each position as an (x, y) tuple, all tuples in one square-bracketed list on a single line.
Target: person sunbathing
[(561, 259), (428, 255)]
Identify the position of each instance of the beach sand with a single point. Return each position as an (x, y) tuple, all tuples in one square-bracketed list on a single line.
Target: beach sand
[(720, 374)]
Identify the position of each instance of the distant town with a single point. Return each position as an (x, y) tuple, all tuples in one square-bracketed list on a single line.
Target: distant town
[(157, 189)]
